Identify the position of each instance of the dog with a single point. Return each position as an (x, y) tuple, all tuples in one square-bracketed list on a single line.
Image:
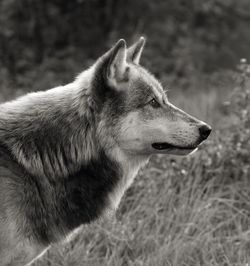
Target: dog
[(68, 154)]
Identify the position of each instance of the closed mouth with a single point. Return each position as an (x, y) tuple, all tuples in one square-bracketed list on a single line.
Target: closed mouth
[(167, 146)]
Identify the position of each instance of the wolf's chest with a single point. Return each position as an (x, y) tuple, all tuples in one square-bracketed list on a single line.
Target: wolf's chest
[(129, 174)]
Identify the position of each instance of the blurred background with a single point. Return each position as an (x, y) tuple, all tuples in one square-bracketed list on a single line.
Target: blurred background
[(44, 43), (191, 211)]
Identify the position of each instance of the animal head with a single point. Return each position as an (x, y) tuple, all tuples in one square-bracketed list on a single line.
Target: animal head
[(135, 113)]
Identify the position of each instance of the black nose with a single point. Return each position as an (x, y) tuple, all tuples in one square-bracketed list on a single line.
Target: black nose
[(205, 131)]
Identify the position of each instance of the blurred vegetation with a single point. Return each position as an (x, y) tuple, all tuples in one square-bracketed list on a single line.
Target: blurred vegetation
[(180, 211)]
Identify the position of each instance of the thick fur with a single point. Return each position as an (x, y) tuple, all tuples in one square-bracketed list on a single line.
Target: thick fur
[(68, 154)]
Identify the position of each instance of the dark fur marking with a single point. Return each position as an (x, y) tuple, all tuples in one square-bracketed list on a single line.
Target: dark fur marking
[(54, 209), (87, 191)]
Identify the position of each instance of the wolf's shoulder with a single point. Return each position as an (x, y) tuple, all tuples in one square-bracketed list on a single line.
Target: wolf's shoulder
[(9, 167)]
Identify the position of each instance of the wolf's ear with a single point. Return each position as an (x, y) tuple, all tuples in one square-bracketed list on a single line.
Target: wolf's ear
[(117, 66), (134, 51)]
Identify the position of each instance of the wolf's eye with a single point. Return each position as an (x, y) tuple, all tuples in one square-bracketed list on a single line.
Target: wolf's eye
[(154, 103)]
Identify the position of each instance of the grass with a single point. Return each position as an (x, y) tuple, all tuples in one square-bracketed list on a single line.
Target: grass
[(181, 211), (175, 214)]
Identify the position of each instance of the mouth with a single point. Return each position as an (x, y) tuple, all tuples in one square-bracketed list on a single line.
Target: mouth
[(166, 148)]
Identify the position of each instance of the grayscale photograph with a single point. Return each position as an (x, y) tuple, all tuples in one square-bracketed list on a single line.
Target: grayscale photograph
[(125, 133)]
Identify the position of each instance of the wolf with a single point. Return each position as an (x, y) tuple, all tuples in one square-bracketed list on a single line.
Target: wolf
[(68, 154)]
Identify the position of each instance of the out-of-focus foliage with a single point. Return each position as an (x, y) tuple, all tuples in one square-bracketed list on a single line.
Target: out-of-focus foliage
[(49, 37)]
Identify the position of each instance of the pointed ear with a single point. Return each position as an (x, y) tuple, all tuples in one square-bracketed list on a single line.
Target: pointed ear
[(134, 51), (117, 66)]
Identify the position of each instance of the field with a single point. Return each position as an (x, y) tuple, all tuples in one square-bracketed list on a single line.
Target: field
[(181, 211)]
